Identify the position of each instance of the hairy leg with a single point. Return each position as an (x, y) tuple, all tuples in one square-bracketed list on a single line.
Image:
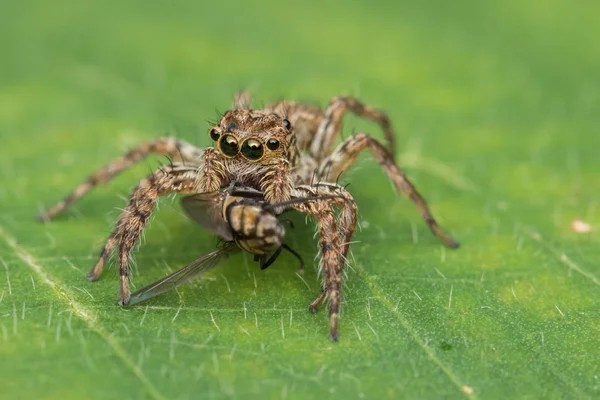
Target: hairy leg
[(242, 101), (174, 148), (344, 156), (334, 241), (133, 220), (342, 200), (317, 302), (208, 178), (275, 182), (330, 256), (178, 178), (331, 125)]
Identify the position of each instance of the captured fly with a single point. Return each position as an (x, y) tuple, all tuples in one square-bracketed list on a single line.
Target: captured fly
[(240, 214)]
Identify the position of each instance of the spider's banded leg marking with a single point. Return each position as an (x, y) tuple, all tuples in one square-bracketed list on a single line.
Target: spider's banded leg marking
[(174, 148), (203, 179), (345, 229), (347, 152), (276, 184), (330, 258), (211, 174), (317, 302), (208, 177), (343, 201), (331, 125), (166, 180), (106, 251)]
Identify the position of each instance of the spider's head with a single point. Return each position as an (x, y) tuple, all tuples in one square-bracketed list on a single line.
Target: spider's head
[(254, 136)]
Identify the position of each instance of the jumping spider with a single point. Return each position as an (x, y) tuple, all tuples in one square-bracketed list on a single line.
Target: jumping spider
[(286, 151)]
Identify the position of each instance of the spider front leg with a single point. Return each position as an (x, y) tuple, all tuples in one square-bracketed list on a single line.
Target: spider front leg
[(209, 177), (242, 101), (330, 260), (174, 148), (340, 198), (331, 125), (177, 178), (133, 220), (344, 156), (334, 240), (275, 183)]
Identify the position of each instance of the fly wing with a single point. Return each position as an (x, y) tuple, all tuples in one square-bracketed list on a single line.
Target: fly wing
[(206, 209), (184, 275)]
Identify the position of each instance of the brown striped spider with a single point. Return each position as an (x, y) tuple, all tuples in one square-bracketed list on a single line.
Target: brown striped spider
[(285, 151)]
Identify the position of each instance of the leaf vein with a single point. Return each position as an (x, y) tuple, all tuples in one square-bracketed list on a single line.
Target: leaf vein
[(81, 312)]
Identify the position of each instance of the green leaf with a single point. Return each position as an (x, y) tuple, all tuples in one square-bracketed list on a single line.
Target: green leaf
[(496, 106)]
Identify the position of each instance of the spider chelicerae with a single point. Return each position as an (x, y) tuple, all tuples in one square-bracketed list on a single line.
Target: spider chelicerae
[(286, 151)]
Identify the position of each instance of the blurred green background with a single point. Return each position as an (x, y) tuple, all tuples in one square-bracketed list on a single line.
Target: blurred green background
[(497, 110)]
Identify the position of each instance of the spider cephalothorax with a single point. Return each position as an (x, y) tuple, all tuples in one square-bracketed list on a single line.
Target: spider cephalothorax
[(286, 151), (254, 136), (256, 148)]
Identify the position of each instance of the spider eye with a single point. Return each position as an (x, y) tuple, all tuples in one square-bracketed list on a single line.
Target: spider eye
[(214, 134), (229, 145), (287, 124), (273, 144), (252, 149)]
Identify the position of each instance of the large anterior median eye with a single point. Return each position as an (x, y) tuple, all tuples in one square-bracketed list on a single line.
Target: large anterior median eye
[(229, 145), (252, 149)]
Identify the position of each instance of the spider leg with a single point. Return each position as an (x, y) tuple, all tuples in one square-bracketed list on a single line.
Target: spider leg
[(170, 147), (133, 220), (332, 250), (330, 264), (275, 183), (331, 125), (341, 199), (347, 152), (317, 302), (177, 178), (106, 251), (242, 101)]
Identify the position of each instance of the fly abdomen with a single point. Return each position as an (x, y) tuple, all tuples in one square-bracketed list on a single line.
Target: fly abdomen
[(255, 230)]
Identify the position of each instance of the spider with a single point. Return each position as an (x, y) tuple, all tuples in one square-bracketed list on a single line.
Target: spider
[(285, 151)]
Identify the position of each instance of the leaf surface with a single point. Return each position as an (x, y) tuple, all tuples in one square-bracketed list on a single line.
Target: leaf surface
[(496, 111)]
